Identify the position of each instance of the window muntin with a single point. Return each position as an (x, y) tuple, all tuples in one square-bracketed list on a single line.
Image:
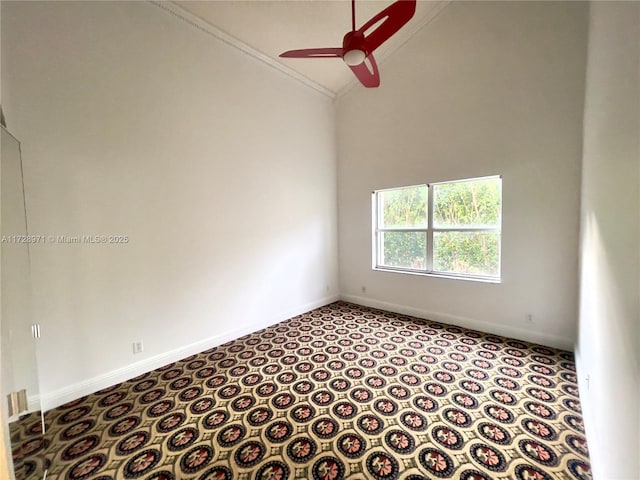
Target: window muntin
[(447, 228)]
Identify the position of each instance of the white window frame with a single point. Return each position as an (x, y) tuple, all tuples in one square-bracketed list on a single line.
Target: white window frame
[(377, 250)]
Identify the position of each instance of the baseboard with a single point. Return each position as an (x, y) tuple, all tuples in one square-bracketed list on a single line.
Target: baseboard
[(465, 322), (71, 392)]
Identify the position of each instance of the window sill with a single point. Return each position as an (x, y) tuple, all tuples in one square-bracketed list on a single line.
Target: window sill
[(439, 275)]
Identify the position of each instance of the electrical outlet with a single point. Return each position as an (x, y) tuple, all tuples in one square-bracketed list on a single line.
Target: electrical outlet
[(529, 318), (138, 347), (364, 289)]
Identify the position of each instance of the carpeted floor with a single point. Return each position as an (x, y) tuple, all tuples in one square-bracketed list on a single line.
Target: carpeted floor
[(340, 392)]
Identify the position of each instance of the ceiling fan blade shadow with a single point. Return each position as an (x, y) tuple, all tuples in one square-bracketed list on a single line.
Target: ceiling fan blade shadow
[(313, 53), (370, 78), (393, 18)]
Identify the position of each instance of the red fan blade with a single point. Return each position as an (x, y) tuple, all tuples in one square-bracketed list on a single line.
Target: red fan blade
[(368, 78), (313, 53), (394, 17)]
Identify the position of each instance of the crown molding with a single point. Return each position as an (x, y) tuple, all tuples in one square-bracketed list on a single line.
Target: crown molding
[(405, 34), (196, 22)]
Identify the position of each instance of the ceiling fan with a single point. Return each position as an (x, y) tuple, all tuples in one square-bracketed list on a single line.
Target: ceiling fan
[(358, 45)]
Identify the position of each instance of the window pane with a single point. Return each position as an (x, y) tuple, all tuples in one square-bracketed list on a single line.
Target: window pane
[(474, 203), (404, 249), (473, 253), (403, 207)]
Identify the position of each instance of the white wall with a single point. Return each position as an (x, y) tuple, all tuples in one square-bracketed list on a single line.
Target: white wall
[(488, 88), (219, 169), (608, 347)]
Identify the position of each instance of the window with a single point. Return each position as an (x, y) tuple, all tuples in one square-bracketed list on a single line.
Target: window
[(449, 229)]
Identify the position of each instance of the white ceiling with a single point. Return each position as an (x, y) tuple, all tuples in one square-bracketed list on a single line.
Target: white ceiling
[(274, 26)]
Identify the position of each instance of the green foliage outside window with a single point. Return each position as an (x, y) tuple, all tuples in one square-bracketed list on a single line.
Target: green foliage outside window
[(467, 204), (405, 249), (402, 208), (473, 253), (460, 206), (405, 207)]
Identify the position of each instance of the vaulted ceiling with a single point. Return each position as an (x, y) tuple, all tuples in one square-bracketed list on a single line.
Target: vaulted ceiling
[(272, 27)]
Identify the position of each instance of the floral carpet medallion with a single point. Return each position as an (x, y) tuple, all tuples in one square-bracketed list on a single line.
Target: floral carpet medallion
[(340, 392)]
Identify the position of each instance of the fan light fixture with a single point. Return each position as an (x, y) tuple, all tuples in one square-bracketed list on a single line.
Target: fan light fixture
[(354, 57)]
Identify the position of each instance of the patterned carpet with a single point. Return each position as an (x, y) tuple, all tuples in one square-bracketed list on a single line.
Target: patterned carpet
[(340, 392)]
